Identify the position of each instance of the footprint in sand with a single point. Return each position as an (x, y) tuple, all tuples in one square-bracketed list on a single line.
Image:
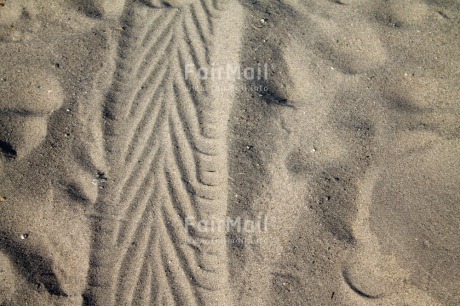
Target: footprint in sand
[(28, 98)]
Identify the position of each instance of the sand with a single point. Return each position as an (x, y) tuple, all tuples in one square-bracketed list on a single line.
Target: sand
[(211, 152)]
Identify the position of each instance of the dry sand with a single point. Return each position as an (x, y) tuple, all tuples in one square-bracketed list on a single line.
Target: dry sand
[(131, 151)]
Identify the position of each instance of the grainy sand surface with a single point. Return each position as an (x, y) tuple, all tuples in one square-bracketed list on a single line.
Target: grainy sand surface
[(223, 152)]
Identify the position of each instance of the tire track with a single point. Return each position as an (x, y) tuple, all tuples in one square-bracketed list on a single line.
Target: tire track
[(167, 152)]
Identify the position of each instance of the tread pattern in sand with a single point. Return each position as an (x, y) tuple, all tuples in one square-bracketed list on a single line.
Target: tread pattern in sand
[(166, 148)]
